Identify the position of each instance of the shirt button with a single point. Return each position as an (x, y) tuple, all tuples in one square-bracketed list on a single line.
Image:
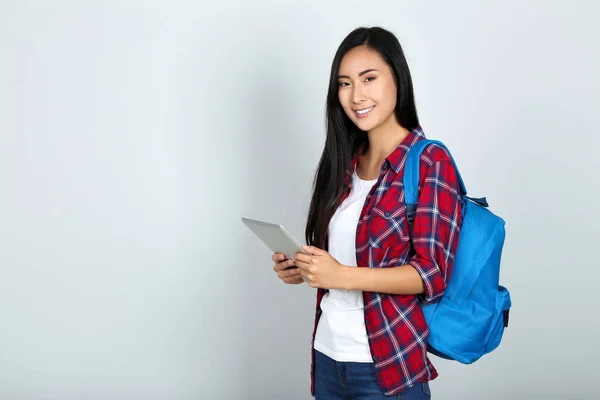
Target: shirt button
[(387, 214), (374, 358), (367, 322)]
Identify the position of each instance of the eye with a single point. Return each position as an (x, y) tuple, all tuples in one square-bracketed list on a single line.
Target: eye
[(343, 84), (370, 78)]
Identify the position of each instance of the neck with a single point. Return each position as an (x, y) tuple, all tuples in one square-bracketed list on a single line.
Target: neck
[(383, 140)]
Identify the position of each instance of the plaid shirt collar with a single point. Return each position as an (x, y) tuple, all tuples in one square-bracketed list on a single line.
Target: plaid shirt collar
[(396, 159)]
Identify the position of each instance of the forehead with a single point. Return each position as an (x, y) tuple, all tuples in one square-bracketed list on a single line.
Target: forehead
[(359, 59)]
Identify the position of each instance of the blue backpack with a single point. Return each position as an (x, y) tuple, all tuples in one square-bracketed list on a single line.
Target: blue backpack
[(469, 319)]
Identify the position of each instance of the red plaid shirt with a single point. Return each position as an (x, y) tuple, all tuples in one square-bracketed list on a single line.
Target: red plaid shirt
[(395, 325)]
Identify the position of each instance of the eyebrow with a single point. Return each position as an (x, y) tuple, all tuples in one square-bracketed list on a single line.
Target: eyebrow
[(366, 71)]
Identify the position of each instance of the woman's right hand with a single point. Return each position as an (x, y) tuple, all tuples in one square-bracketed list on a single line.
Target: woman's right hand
[(291, 275)]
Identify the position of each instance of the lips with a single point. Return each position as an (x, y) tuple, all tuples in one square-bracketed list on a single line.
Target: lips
[(364, 112)]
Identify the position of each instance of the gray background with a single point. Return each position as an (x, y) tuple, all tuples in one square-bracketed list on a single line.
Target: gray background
[(135, 134)]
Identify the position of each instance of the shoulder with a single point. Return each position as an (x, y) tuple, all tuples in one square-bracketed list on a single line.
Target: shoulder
[(434, 153), (437, 160)]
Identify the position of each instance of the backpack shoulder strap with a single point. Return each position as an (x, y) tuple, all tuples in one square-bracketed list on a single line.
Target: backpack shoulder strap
[(412, 171)]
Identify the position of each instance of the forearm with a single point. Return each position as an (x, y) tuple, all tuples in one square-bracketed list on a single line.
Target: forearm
[(396, 280)]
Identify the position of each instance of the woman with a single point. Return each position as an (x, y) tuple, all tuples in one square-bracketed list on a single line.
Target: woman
[(370, 335)]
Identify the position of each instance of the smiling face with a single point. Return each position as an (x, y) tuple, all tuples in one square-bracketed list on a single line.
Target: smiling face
[(367, 90)]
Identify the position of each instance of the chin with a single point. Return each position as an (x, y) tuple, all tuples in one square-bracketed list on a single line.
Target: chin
[(366, 125)]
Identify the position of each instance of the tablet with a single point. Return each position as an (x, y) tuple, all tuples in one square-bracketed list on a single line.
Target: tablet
[(276, 237)]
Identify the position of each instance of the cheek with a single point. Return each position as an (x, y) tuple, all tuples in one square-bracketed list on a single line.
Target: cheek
[(392, 96), (388, 101)]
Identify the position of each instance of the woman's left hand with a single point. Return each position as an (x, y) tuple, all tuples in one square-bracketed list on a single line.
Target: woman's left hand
[(319, 269)]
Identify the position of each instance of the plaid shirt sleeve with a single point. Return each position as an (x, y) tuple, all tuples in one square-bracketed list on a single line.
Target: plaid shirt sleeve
[(436, 225)]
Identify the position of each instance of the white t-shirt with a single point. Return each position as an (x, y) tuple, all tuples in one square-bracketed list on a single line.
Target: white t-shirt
[(341, 332)]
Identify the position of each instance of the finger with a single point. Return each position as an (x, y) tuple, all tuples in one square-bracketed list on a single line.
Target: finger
[(306, 274), (307, 277), (303, 265), (293, 281), (283, 265), (277, 257), (307, 261), (289, 273), (314, 250), (286, 264), (302, 257)]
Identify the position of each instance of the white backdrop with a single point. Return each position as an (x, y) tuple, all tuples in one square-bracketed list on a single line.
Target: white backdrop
[(135, 134)]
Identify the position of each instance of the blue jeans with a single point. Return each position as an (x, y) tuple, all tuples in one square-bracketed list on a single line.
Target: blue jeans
[(356, 381)]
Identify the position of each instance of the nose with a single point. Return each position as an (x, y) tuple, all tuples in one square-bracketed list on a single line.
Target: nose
[(358, 94)]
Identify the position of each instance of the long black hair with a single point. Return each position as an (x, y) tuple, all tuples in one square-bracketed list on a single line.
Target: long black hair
[(344, 138)]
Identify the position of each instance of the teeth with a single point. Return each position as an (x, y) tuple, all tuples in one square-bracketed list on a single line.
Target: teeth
[(361, 112)]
